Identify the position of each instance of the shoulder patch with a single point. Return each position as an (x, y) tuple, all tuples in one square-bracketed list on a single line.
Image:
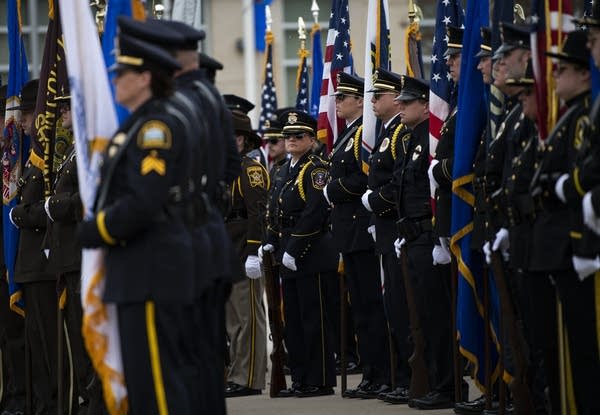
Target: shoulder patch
[(384, 145), (255, 176), (350, 144), (318, 178), (580, 131), (154, 134)]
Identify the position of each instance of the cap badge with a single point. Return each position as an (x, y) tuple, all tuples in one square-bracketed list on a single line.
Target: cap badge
[(292, 118)]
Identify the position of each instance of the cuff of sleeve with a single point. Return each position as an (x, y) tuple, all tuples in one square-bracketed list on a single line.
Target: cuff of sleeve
[(101, 224)]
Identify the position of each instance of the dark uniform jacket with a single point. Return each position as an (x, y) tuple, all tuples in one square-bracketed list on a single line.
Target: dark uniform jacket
[(392, 144), (442, 173), (65, 210), (249, 199), (29, 216), (347, 183), (139, 215), (302, 219), (552, 246), (414, 197), (278, 175)]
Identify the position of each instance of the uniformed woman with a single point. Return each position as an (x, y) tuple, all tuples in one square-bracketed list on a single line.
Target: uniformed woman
[(308, 258), (140, 220)]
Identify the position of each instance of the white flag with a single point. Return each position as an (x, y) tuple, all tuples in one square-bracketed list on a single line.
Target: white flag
[(94, 122)]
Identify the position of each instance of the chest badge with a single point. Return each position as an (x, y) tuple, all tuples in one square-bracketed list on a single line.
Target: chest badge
[(417, 152), (349, 145), (384, 145)]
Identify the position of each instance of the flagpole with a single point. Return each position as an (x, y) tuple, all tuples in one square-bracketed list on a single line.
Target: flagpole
[(249, 53)]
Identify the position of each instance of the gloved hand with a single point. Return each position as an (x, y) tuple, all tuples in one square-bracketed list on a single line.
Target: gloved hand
[(398, 246), (559, 187), (252, 266), (430, 173), (487, 250), (10, 217), (441, 255), (371, 230), (589, 215), (264, 248), (502, 243), (88, 234), (365, 200), (47, 208), (289, 262), (585, 266), (326, 195)]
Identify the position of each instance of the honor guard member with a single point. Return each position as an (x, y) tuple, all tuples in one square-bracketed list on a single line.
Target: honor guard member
[(11, 326), (431, 287), (349, 223), (244, 311), (209, 66), (237, 103), (273, 137), (390, 146), (39, 286), (306, 253), (554, 237), (64, 211), (140, 219), (562, 154)]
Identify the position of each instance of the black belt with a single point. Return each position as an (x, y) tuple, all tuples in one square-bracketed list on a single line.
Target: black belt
[(411, 229)]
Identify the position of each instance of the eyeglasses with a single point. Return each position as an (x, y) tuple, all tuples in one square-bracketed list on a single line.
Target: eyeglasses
[(299, 136), (378, 95), (340, 97), (273, 141)]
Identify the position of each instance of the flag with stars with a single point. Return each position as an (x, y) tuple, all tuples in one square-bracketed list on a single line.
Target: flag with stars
[(547, 36), (587, 11), (338, 58), (302, 103), (268, 100), (449, 13)]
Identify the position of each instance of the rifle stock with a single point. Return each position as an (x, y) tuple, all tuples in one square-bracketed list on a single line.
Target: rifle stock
[(419, 382), (519, 386), (272, 289)]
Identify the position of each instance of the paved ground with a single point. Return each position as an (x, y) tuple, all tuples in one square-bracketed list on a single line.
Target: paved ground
[(326, 405)]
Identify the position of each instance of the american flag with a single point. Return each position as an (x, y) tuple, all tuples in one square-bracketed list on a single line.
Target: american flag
[(268, 100), (338, 58), (302, 102), (449, 13), (546, 37)]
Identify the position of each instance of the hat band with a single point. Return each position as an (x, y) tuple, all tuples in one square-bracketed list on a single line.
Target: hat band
[(486, 47), (455, 45), (380, 85), (343, 88), (272, 135), (288, 128), (130, 60)]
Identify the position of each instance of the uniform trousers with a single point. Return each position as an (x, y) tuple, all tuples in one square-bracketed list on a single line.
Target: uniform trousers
[(246, 328), (307, 330), (41, 330), (12, 345), (581, 314), (396, 309), (431, 285), (364, 284), (156, 342)]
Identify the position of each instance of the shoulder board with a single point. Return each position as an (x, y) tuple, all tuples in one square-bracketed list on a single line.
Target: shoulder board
[(317, 161)]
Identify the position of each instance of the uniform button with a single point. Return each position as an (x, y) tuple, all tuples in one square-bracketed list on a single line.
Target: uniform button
[(353, 216), (280, 235)]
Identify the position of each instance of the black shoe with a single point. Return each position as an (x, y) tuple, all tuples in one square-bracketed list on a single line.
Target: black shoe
[(508, 410), (397, 396), (351, 368), (351, 393), (310, 391), (289, 392), (233, 390), (475, 407), (433, 400), (373, 391)]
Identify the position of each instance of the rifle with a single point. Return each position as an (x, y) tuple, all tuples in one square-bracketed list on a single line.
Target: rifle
[(272, 289), (519, 386), (419, 382)]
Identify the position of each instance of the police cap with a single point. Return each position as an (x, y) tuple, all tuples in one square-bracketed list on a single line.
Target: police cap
[(348, 84), (133, 53), (297, 122), (384, 80), (273, 129), (152, 31), (243, 126), (413, 88), (190, 36), (486, 43), (574, 49), (514, 36), (237, 103), (455, 40), (28, 96)]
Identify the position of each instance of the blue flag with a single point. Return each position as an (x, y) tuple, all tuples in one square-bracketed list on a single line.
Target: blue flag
[(15, 150), (260, 24), (317, 71), (587, 11), (471, 118)]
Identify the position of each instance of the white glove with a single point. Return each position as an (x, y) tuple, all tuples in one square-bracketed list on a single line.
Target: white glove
[(559, 187), (430, 173), (398, 246), (252, 266), (585, 266), (264, 248), (589, 216), (502, 243), (371, 230), (326, 195), (47, 209), (11, 218), (441, 256), (289, 261), (487, 250), (365, 200)]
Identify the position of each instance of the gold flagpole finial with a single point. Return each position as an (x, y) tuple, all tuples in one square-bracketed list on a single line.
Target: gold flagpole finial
[(100, 6), (315, 11)]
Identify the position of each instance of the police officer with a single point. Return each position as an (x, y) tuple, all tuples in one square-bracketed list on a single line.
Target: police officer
[(64, 211), (39, 286), (349, 221), (307, 256), (240, 104), (379, 199), (140, 220), (244, 310)]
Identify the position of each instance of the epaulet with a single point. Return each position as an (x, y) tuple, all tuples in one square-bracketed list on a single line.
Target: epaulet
[(357, 142), (317, 161), (401, 127)]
